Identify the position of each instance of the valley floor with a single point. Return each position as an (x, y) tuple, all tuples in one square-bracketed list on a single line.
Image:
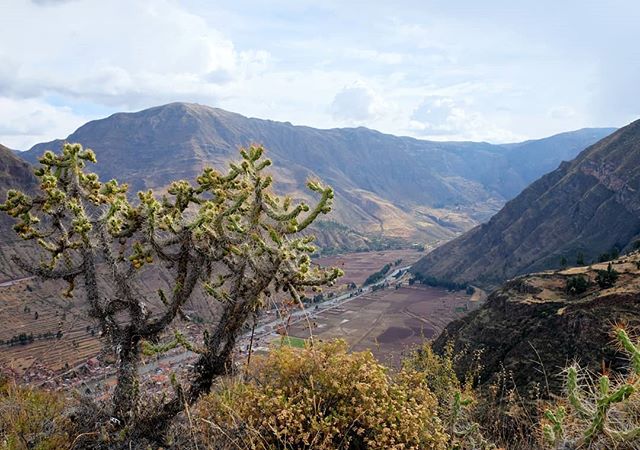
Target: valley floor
[(387, 321), (390, 321)]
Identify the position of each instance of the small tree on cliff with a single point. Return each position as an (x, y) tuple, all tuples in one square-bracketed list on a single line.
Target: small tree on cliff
[(227, 233)]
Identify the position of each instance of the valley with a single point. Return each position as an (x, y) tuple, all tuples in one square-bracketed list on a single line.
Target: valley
[(303, 225), (59, 343)]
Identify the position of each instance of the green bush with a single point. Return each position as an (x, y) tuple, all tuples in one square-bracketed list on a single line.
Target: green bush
[(576, 285), (607, 278), (377, 276)]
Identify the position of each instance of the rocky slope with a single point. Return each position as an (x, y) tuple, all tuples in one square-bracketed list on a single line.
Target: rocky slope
[(585, 207), (14, 174), (395, 186), (533, 328)]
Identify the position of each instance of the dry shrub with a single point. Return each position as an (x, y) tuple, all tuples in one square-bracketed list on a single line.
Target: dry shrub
[(32, 418), (322, 397), (509, 416), (457, 401)]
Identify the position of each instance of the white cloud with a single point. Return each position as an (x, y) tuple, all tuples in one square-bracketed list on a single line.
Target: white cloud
[(391, 58), (357, 104), (120, 53), (441, 70), (438, 115), (27, 121), (562, 112), (443, 118), (49, 2)]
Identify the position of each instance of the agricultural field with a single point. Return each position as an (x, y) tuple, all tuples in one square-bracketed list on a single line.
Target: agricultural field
[(388, 322), (57, 334), (54, 332), (358, 266)]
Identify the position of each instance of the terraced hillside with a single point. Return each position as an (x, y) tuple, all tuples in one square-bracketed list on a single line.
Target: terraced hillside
[(533, 326)]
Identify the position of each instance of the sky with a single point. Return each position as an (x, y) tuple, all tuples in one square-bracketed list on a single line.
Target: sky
[(491, 70)]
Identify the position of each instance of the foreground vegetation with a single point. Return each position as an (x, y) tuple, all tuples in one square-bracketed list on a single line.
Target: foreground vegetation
[(323, 397), (226, 233)]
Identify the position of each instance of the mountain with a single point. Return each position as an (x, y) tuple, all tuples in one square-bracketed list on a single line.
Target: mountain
[(395, 186), (14, 174), (589, 206), (534, 158), (532, 328)]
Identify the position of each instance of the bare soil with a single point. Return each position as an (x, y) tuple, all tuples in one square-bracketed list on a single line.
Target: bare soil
[(388, 322)]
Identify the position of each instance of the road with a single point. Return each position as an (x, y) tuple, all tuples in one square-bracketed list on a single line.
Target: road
[(339, 300), (8, 283)]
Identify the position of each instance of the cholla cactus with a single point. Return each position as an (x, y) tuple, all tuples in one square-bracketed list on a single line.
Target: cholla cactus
[(227, 232), (554, 431), (601, 407)]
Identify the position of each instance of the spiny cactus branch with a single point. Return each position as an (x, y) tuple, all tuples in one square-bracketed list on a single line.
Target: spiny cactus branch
[(595, 405)]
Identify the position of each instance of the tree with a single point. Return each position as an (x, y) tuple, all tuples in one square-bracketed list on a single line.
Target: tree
[(227, 233), (615, 252), (604, 257), (607, 278), (576, 285)]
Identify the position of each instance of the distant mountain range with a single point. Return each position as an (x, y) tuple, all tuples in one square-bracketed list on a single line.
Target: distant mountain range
[(584, 209), (385, 185)]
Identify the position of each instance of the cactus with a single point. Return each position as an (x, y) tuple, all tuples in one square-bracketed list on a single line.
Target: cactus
[(465, 432), (554, 430), (604, 403), (594, 405), (632, 349), (227, 233)]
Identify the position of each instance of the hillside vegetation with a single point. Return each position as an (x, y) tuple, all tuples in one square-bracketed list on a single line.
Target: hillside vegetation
[(533, 325)]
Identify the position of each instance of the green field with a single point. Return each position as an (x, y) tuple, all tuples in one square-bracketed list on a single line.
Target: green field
[(292, 341)]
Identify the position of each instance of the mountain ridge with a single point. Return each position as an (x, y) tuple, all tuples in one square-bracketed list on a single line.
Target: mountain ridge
[(585, 208), (397, 186), (532, 327)]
